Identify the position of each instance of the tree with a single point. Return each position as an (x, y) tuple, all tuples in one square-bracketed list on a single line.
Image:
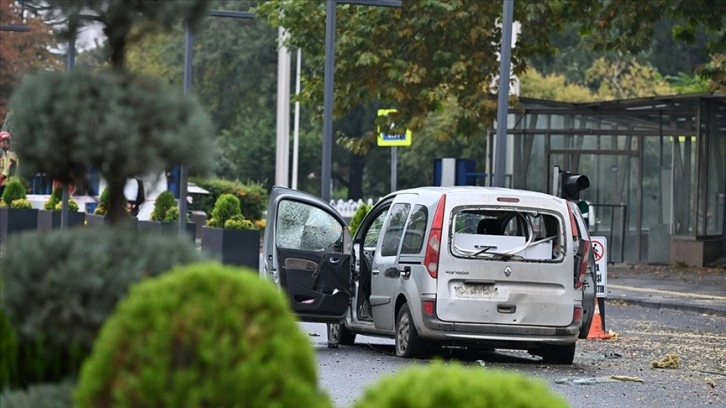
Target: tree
[(416, 57), (623, 79), (119, 123), (553, 87), (22, 52)]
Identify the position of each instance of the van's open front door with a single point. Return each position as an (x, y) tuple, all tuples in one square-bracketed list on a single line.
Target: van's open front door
[(308, 253)]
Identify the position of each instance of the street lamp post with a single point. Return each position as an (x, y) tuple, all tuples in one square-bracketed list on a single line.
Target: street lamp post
[(329, 82), (503, 101), (188, 53)]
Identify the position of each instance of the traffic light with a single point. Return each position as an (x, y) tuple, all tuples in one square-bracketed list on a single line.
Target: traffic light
[(571, 184)]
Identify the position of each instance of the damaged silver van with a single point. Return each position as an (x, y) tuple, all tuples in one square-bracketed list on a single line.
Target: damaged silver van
[(466, 266)]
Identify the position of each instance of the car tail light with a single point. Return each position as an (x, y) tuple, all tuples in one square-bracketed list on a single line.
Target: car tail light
[(581, 249), (428, 307), (581, 262), (577, 314), (433, 246)]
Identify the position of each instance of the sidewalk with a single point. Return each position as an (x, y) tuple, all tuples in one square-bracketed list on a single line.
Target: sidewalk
[(699, 290)]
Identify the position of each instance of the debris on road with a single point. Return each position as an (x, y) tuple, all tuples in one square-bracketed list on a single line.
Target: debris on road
[(626, 378), (670, 361)]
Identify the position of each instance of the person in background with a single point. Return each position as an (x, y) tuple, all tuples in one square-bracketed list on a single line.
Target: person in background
[(8, 160)]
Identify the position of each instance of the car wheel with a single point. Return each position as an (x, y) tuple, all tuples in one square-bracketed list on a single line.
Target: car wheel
[(558, 354), (339, 334), (408, 343)]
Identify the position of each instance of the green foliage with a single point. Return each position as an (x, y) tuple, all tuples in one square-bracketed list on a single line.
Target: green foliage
[(360, 213), (59, 287), (625, 78), (239, 222), (21, 203), (173, 215), (202, 335), (104, 202), (8, 352), (55, 201), (55, 198), (72, 205), (226, 207), (14, 190), (456, 386), (52, 395), (553, 87), (252, 196), (163, 203)]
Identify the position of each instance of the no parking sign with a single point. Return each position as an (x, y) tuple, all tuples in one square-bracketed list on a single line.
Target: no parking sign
[(599, 249)]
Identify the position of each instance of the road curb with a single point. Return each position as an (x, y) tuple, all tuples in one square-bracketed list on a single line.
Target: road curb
[(663, 305)]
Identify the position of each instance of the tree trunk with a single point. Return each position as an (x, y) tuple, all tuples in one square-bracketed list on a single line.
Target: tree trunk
[(117, 211)]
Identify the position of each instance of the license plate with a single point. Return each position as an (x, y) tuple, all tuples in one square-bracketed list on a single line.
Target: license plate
[(476, 290)]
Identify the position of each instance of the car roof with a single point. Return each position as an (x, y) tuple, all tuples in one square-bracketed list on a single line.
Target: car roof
[(493, 191)]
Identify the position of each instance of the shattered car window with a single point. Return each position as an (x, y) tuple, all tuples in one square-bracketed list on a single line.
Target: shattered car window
[(302, 226)]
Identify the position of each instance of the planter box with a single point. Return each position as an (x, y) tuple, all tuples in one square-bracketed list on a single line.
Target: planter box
[(50, 220), (166, 227), (94, 220), (232, 246), (14, 220)]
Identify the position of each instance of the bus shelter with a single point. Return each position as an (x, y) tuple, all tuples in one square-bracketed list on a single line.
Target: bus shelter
[(657, 168)]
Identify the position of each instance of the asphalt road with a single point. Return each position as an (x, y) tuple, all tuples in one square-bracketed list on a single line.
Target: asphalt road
[(643, 336)]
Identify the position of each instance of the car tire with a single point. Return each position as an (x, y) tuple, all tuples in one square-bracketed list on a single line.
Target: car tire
[(408, 343), (339, 334), (557, 354)]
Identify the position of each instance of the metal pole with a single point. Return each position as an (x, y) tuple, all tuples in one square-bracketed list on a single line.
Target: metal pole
[(296, 126), (188, 53), (325, 173), (64, 200), (394, 167), (282, 147), (503, 100)]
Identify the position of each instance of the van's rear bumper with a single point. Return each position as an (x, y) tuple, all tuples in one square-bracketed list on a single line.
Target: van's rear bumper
[(439, 329)]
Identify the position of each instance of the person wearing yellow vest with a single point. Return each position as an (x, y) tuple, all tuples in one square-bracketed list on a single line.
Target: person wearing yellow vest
[(8, 160)]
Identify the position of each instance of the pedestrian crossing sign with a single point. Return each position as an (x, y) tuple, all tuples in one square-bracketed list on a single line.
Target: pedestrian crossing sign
[(386, 139)]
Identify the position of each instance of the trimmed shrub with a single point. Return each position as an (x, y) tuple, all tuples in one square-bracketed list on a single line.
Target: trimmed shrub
[(163, 203), (57, 395), (103, 202), (360, 213), (59, 287), (253, 197), (72, 206), (226, 207), (455, 386), (202, 335), (239, 222), (14, 190), (21, 203)]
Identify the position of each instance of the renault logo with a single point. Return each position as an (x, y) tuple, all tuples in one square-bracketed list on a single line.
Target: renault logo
[(507, 271)]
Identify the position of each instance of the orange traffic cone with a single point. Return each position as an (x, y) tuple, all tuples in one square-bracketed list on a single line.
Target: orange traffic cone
[(596, 331)]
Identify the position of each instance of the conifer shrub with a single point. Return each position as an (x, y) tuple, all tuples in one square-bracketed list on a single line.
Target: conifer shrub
[(55, 201), (360, 213), (455, 386), (14, 190), (163, 203), (104, 200), (226, 207), (203, 335), (60, 286)]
